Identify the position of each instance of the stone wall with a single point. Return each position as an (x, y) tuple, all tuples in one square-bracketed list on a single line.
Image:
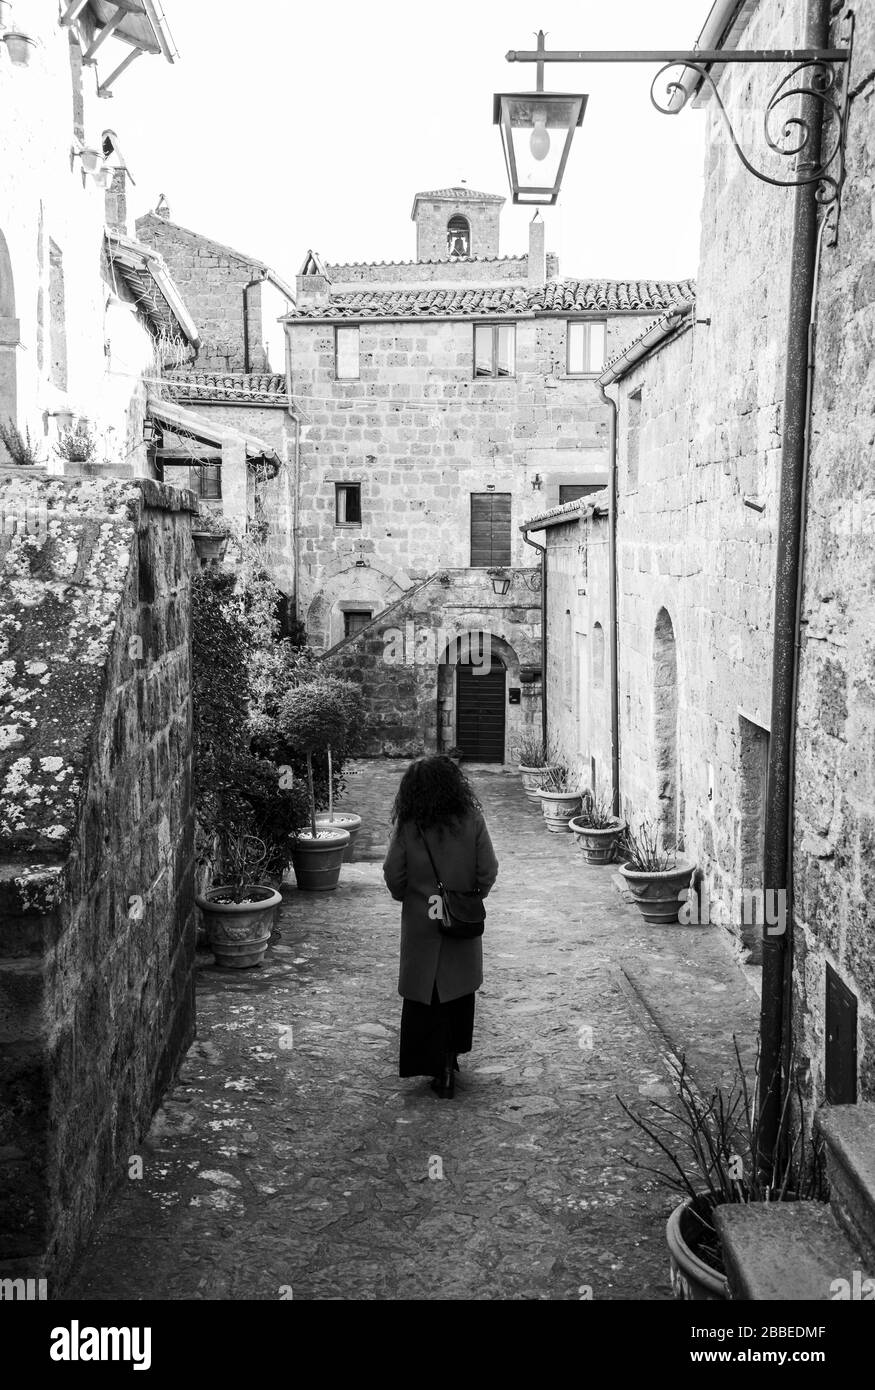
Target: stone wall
[(96, 844), (406, 671), (578, 647), (238, 326), (478, 270), (834, 852), (420, 435)]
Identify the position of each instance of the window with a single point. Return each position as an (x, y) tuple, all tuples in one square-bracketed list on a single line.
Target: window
[(346, 354), (57, 318), (458, 237), (210, 480), (354, 621), (494, 349), (569, 492), (586, 347), (348, 504), (490, 529), (633, 439), (598, 656)]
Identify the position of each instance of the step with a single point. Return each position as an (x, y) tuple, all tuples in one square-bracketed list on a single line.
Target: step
[(790, 1252), (849, 1134)]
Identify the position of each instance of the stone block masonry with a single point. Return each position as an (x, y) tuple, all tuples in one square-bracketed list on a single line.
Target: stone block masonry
[(96, 844)]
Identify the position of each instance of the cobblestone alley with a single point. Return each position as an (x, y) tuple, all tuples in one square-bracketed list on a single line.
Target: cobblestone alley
[(289, 1160)]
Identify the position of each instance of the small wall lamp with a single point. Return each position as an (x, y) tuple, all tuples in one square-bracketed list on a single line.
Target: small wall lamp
[(500, 581), (536, 483)]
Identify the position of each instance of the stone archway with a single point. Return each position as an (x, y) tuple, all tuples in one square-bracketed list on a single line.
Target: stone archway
[(352, 587), (8, 340), (466, 651), (665, 728)]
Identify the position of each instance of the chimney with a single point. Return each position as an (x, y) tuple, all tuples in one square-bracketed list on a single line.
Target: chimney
[(537, 262), (116, 200)]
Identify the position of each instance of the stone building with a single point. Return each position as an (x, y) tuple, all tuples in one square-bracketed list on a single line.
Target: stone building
[(439, 398), (235, 435), (85, 313), (700, 434)]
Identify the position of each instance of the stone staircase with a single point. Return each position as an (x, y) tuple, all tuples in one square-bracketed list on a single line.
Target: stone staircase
[(814, 1251)]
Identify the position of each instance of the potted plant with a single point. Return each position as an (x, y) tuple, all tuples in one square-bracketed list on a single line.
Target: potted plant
[(77, 447), (559, 802), (239, 913), (210, 533), (20, 447), (714, 1150), (597, 830), (351, 697), (455, 754), (533, 761), (19, 46), (245, 814), (657, 878), (312, 718)]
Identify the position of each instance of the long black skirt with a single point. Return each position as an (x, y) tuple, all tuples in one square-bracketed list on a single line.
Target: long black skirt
[(430, 1031)]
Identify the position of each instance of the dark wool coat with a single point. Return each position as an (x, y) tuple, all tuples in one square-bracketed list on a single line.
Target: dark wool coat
[(466, 860)]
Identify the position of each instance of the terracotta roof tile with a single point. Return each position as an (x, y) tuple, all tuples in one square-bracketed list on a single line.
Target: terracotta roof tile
[(558, 297)]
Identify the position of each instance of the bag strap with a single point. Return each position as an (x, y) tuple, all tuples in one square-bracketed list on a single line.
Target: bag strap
[(430, 857)]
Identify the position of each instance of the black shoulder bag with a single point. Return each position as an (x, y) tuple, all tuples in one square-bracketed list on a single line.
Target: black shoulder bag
[(463, 912)]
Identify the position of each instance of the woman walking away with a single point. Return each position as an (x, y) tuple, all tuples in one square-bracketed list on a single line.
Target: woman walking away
[(440, 838)]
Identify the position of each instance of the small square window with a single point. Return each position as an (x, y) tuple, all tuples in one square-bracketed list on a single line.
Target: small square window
[(494, 349), (348, 504), (346, 354), (210, 480), (353, 622), (586, 347)]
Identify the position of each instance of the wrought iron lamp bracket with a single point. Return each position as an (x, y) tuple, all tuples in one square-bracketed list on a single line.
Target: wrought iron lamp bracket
[(821, 76)]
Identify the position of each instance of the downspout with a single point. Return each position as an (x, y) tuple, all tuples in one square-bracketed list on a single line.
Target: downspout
[(612, 598), (775, 1022), (542, 549)]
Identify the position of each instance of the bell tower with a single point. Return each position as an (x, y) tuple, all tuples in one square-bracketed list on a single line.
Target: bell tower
[(456, 223)]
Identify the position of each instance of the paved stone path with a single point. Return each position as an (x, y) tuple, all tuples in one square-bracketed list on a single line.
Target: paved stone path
[(290, 1159)]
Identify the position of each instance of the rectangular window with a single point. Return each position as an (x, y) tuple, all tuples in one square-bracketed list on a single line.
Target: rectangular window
[(569, 492), (586, 347), (494, 349), (633, 439), (57, 318), (210, 480), (348, 504), (346, 354), (354, 622), (490, 529)]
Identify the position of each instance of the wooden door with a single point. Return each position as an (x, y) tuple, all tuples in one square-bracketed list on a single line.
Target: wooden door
[(480, 712)]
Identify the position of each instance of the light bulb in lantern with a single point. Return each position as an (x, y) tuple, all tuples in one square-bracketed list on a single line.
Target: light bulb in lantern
[(539, 140)]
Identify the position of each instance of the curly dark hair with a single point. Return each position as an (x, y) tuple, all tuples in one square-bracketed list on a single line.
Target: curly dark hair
[(433, 792)]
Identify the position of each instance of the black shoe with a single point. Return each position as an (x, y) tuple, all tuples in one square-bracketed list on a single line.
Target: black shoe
[(445, 1084)]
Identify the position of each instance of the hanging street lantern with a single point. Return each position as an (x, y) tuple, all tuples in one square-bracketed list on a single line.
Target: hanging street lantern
[(536, 131)]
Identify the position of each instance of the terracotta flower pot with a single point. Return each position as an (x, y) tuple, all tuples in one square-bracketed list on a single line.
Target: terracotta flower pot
[(558, 808), (239, 933), (598, 846), (659, 896), (343, 820), (691, 1278), (532, 777), (19, 47), (209, 546), (317, 862)]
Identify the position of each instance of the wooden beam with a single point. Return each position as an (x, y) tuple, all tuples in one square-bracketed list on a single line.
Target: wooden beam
[(73, 11), (104, 89), (108, 29)]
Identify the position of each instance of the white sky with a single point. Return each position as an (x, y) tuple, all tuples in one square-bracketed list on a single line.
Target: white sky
[(290, 125)]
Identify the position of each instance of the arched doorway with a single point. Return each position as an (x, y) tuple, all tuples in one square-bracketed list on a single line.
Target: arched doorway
[(665, 708), (8, 338), (473, 695)]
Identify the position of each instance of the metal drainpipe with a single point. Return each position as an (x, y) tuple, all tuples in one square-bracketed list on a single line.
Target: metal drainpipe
[(775, 1036), (542, 549), (612, 583)]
